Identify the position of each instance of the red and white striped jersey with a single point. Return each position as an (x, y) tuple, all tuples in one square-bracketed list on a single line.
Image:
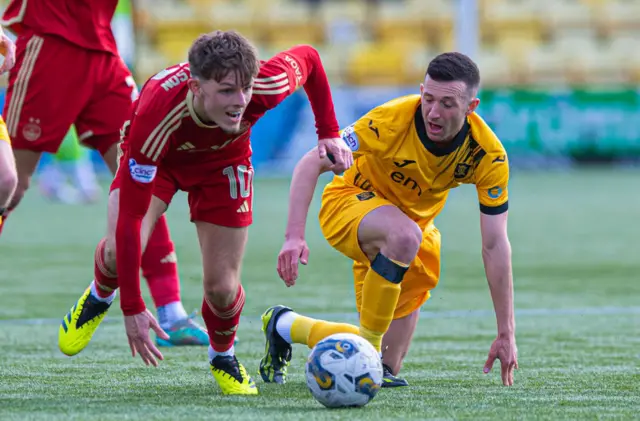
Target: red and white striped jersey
[(166, 132)]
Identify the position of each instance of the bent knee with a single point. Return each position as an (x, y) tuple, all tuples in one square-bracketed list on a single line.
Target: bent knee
[(110, 256), (221, 289), (402, 242)]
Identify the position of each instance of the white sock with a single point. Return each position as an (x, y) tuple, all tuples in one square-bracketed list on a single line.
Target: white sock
[(283, 325), (171, 313), (228, 353), (94, 292)]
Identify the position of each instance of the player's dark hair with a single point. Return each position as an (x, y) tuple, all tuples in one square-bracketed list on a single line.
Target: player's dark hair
[(449, 67), (216, 54)]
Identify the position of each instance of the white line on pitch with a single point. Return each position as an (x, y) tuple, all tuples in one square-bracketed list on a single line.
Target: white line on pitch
[(447, 314)]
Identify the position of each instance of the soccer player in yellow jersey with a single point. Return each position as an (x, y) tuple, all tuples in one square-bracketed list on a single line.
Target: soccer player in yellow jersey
[(408, 154), (8, 175)]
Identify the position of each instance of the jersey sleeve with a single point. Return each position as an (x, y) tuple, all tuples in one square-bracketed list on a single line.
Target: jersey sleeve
[(492, 180), (281, 75), (145, 141), (371, 134)]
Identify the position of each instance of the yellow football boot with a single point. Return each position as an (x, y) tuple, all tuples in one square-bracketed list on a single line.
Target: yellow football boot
[(79, 325), (231, 376)]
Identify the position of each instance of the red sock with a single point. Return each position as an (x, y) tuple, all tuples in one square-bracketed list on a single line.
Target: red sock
[(222, 324), (160, 267), (106, 281)]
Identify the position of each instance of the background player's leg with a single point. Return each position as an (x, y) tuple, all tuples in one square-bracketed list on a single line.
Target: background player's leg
[(8, 178), (69, 177), (222, 252), (160, 269), (391, 241), (8, 174), (38, 112), (25, 165)]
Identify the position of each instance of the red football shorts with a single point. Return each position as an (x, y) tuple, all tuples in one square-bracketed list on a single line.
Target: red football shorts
[(220, 194), (55, 84)]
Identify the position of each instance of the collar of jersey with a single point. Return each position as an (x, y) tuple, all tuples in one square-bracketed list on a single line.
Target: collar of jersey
[(192, 112), (433, 147)]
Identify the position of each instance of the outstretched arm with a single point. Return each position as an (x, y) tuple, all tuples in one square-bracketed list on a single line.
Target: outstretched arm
[(303, 185), (301, 66), (496, 254)]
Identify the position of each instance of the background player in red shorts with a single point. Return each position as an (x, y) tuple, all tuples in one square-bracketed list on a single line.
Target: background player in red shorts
[(190, 131), (8, 175), (68, 70)]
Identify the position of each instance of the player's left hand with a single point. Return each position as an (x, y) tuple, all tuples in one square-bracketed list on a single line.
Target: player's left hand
[(8, 50), (293, 250), (505, 350), (340, 152)]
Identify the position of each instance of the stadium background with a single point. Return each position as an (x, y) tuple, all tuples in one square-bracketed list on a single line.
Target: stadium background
[(559, 84), (560, 88)]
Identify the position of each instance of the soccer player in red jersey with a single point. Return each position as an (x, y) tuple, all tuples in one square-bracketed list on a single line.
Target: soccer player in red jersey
[(68, 70), (190, 131), (8, 174)]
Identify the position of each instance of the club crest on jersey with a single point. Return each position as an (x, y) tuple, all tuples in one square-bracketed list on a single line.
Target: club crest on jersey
[(142, 173), (350, 138), (461, 170), (495, 192), (365, 195)]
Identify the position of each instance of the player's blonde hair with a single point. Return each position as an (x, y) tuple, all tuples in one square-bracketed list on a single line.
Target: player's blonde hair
[(216, 54)]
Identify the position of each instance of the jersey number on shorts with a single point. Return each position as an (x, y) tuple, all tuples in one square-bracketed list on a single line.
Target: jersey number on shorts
[(240, 183)]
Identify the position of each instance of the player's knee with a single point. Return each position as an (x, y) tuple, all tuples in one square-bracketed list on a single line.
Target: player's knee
[(8, 185), (109, 254), (221, 289), (402, 242), (110, 258)]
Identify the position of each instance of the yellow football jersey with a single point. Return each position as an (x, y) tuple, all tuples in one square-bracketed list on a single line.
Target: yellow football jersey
[(395, 159)]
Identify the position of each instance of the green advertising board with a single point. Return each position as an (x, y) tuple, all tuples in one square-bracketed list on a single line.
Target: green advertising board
[(575, 123)]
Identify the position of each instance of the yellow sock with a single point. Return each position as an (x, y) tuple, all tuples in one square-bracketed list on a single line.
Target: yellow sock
[(308, 331), (379, 301)]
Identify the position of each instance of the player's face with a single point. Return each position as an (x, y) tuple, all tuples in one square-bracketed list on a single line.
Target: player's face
[(445, 106), (223, 102)]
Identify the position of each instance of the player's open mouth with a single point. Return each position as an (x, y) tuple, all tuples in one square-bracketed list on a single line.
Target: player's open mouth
[(234, 116), (434, 128)]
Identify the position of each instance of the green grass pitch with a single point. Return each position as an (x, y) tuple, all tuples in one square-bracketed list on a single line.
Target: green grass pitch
[(576, 264)]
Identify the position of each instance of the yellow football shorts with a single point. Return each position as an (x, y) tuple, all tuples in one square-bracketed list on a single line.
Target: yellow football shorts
[(342, 209), (4, 133)]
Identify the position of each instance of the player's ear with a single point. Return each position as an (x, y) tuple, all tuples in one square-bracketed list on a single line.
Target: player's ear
[(194, 86), (473, 105)]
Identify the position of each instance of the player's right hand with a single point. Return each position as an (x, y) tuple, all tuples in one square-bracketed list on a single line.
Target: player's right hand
[(505, 350), (137, 327), (293, 250), (8, 50), (338, 152)]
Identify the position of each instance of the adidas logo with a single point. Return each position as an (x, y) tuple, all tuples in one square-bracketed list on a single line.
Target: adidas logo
[(244, 207), (170, 258), (186, 146), (226, 332)]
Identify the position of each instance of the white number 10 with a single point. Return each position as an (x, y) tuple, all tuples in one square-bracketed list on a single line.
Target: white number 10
[(240, 183)]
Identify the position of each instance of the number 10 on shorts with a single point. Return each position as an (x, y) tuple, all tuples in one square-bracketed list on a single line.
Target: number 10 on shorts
[(240, 180)]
